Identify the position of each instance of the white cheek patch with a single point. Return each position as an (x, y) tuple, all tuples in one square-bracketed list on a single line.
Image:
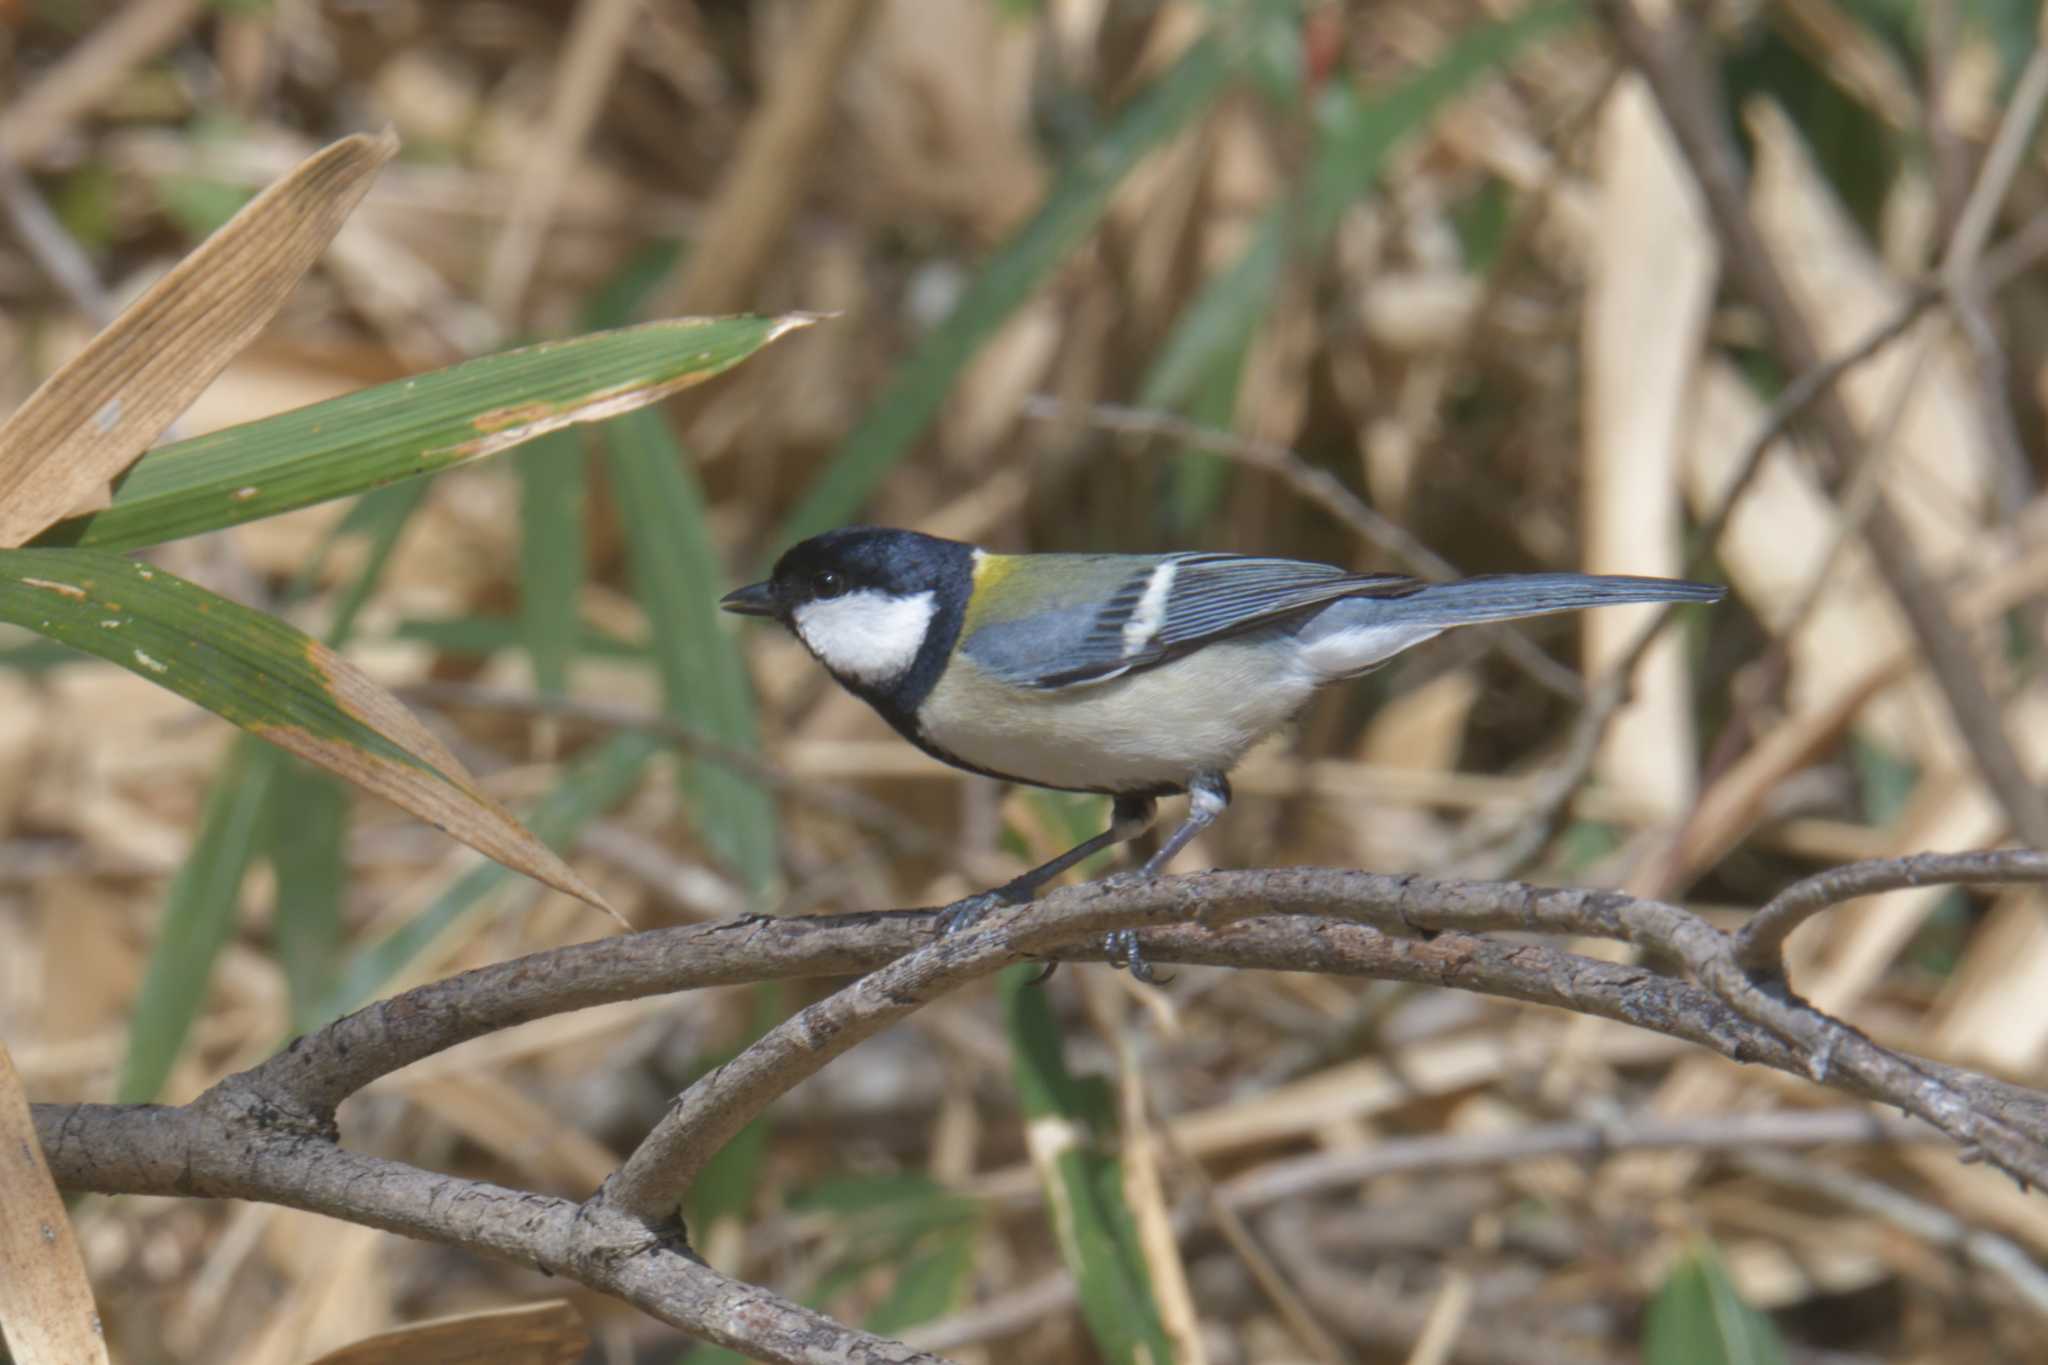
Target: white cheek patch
[(870, 636)]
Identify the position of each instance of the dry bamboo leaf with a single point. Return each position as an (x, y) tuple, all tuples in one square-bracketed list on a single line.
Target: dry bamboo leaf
[(95, 416), (1775, 550), (1423, 730), (1993, 1011), (1653, 266), (1941, 470), (548, 1333), (46, 1309), (502, 1120), (272, 680), (337, 1287)]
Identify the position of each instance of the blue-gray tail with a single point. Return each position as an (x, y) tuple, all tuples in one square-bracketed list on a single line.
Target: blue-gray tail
[(1504, 597), (1355, 634)]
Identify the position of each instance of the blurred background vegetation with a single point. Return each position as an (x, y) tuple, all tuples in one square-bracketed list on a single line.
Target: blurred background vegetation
[(1396, 285)]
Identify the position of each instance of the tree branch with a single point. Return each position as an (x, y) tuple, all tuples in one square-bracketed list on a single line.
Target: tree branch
[(1760, 945), (219, 1150), (270, 1133)]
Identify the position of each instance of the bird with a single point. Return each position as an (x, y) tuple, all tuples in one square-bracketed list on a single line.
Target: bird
[(1137, 676)]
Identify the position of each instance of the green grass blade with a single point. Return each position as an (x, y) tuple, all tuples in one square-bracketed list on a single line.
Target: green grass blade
[(380, 518), (1070, 211), (411, 427), (307, 836), (677, 574), (1356, 133), (303, 834), (1698, 1318), (552, 489), (200, 913), (1070, 1125), (307, 842), (269, 678), (480, 636), (598, 781), (1217, 326), (928, 1283), (730, 1180)]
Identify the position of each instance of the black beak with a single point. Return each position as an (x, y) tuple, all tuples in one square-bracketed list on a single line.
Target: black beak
[(756, 599)]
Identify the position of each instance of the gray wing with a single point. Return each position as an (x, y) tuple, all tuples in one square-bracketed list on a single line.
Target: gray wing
[(1161, 609)]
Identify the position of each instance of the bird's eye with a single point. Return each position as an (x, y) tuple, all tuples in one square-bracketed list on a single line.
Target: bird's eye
[(828, 584)]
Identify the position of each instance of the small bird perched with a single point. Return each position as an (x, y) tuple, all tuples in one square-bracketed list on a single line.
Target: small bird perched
[(1137, 676)]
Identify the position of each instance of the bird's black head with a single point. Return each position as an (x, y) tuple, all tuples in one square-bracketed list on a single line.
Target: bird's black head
[(877, 606), (879, 560)]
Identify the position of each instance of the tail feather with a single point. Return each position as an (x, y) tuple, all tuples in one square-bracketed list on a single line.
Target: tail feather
[(1505, 597), (1355, 634)]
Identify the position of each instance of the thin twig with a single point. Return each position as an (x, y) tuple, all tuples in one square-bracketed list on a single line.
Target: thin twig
[(1936, 1226), (1668, 57), (1760, 944), (1391, 1320), (1292, 1308), (1297, 1177), (1966, 293), (1441, 1153), (1539, 824)]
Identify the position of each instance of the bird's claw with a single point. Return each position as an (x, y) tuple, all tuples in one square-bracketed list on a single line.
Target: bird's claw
[(1123, 950), (965, 913)]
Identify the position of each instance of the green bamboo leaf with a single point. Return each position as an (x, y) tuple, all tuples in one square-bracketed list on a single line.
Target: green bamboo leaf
[(1071, 210), (1070, 1127), (271, 680), (1698, 1318), (411, 427), (307, 837), (928, 1284), (551, 496), (307, 841), (676, 570), (204, 900), (470, 637), (303, 828)]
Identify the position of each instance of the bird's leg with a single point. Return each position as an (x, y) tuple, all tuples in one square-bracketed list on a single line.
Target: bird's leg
[(1208, 797), (1128, 818)]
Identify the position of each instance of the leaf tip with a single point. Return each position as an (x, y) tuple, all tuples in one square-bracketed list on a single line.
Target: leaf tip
[(564, 879), (786, 323), (382, 144)]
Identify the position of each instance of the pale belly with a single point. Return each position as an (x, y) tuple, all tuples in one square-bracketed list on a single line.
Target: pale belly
[(1144, 731)]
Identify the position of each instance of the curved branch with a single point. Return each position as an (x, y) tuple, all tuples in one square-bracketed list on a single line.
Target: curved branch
[(218, 1152), (1760, 944), (269, 1133)]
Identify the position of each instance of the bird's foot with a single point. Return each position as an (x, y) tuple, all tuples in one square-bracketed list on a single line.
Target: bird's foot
[(964, 914), (1123, 950)]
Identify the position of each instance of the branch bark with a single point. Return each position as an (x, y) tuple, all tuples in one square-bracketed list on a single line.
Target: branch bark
[(270, 1133)]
